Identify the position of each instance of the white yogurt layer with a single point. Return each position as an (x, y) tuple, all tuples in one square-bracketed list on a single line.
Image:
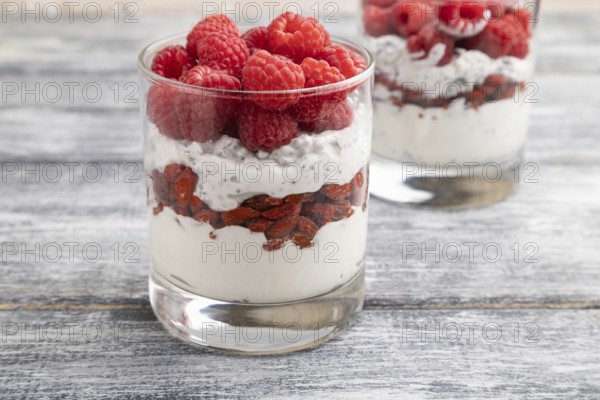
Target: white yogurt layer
[(468, 67), (234, 267), (495, 132), (229, 173)]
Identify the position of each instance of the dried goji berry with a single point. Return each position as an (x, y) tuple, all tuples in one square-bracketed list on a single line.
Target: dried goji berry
[(208, 216), (320, 213), (238, 216), (286, 210), (282, 228), (301, 198), (337, 192), (262, 202)]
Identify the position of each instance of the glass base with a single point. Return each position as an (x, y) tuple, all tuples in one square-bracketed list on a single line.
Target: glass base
[(255, 329), (451, 187)]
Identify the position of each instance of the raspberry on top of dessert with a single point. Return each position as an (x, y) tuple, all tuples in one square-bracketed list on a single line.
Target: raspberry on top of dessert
[(257, 83), (250, 94), (496, 28)]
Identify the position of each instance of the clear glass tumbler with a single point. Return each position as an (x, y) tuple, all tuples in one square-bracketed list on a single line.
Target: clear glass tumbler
[(257, 252), (452, 97)]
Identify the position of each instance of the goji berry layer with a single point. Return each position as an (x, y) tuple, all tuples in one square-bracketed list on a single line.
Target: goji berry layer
[(493, 89), (296, 218)]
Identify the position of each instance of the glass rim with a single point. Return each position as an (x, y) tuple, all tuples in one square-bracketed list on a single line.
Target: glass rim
[(156, 45)]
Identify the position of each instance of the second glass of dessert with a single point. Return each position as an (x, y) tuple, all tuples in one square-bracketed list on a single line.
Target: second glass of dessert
[(257, 147), (452, 96)]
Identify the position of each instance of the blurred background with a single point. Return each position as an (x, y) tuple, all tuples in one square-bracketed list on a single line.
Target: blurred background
[(52, 43)]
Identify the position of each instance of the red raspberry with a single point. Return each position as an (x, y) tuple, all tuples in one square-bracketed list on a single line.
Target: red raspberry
[(455, 10), (312, 107), (231, 127), (172, 62), (267, 72), (161, 109), (496, 9), (340, 118), (380, 3), (207, 77), (505, 37), (348, 62), (409, 16), (522, 17), (206, 27), (224, 52), (201, 120), (428, 37), (296, 37), (320, 73), (377, 21), (463, 19), (256, 38), (203, 116), (265, 130), (521, 46)]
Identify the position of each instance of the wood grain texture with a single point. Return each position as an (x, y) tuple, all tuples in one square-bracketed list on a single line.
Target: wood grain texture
[(388, 354), (573, 6), (554, 231), (109, 129), (560, 293)]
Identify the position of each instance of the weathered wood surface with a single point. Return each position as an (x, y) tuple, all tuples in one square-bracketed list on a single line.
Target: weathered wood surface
[(389, 354), (563, 128), (563, 123), (559, 215), (545, 220)]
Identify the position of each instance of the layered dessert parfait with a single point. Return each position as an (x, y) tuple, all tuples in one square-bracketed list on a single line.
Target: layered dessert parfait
[(451, 81), (257, 147)]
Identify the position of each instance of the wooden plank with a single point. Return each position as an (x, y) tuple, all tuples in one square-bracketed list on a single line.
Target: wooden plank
[(384, 355), (567, 42), (560, 294), (109, 131), (555, 232), (349, 7), (79, 130)]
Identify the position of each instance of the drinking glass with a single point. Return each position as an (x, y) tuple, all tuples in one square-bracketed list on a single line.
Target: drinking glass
[(256, 252), (453, 92)]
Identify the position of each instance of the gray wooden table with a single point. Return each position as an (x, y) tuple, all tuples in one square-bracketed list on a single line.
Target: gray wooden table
[(74, 310)]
